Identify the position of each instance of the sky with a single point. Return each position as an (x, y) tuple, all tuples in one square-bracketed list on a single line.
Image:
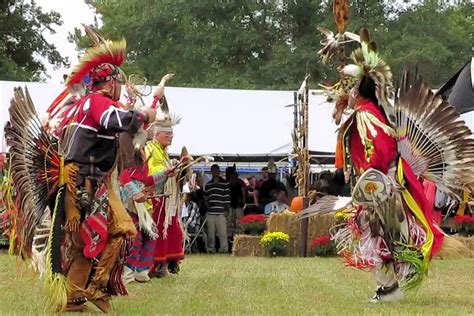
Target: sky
[(73, 13)]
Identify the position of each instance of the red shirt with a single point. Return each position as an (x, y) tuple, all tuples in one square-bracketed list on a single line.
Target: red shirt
[(380, 151)]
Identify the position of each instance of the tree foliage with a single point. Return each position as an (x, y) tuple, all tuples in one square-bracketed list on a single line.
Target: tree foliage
[(22, 24), (273, 44)]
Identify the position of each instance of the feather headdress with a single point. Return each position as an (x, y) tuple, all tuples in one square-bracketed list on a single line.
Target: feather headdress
[(367, 62), (164, 122), (107, 52)]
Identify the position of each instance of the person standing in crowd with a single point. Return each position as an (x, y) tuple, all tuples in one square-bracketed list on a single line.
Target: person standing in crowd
[(238, 194), (217, 195), (258, 183)]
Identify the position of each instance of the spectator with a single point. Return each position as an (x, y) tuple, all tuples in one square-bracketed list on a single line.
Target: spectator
[(341, 186), (263, 177), (250, 207), (200, 200), (264, 192), (218, 202), (237, 193), (190, 214), (258, 184), (322, 187), (290, 184), (279, 205)]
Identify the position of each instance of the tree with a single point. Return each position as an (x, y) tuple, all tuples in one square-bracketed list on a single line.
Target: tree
[(22, 24), (233, 44), (273, 44), (434, 35)]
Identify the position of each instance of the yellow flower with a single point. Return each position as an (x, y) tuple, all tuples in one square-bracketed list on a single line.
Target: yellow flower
[(274, 238)]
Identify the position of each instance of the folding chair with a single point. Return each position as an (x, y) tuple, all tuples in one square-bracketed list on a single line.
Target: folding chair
[(194, 236)]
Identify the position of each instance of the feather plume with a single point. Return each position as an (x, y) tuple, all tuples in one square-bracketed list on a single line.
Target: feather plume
[(160, 89), (367, 58), (94, 35), (325, 204), (107, 52), (331, 42)]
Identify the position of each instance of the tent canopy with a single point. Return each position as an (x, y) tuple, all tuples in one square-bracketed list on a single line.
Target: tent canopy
[(223, 121), (220, 121)]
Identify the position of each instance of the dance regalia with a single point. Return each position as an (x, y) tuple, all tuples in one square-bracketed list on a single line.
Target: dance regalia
[(169, 245), (382, 248), (390, 227), (90, 228), (100, 231), (134, 178)]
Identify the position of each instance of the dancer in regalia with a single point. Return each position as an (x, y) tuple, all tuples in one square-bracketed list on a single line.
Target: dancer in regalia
[(390, 228)]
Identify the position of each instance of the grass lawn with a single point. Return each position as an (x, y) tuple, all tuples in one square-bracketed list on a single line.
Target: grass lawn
[(220, 284)]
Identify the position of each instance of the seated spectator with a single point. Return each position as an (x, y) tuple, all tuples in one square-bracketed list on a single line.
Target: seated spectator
[(264, 192), (190, 216), (279, 204)]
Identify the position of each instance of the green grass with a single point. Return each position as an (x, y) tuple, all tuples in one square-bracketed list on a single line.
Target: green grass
[(224, 285)]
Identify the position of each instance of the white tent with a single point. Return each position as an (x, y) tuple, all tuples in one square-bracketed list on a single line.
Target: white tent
[(219, 121)]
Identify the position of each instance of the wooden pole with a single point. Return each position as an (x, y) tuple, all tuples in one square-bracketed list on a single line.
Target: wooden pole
[(305, 166), (295, 111)]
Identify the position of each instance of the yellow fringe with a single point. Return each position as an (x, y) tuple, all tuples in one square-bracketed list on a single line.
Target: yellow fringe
[(62, 177), (56, 289)]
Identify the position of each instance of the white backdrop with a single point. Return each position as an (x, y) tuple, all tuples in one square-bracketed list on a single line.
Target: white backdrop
[(217, 120)]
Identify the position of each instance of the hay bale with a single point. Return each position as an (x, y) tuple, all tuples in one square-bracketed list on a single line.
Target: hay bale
[(293, 249), (454, 247), (283, 222), (318, 225), (467, 241), (247, 245)]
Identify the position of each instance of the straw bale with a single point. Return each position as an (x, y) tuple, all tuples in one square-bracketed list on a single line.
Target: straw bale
[(456, 247), (318, 225), (468, 241), (247, 245), (283, 222)]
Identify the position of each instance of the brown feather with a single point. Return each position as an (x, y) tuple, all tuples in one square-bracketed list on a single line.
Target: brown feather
[(364, 35)]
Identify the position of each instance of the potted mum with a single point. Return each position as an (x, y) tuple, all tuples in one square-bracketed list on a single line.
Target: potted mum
[(275, 243), (253, 224), (464, 224), (323, 246)]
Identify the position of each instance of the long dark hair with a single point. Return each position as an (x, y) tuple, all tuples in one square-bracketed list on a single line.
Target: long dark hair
[(367, 89)]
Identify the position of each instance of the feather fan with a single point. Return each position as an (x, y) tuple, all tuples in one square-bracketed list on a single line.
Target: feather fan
[(431, 135), (35, 166)]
